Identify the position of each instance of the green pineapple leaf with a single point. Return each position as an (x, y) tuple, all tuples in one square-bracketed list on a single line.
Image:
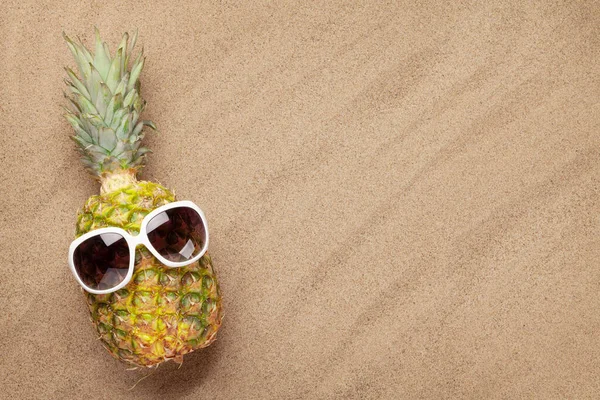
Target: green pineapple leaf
[(106, 105), (101, 58)]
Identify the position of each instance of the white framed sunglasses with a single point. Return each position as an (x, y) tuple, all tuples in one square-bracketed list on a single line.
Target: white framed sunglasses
[(103, 260)]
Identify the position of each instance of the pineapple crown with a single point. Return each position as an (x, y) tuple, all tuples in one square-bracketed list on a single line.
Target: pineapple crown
[(105, 105)]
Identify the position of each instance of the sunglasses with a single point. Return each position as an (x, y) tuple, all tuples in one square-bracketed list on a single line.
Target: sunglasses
[(103, 260)]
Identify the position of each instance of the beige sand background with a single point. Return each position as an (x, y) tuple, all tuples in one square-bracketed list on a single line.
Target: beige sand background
[(404, 198)]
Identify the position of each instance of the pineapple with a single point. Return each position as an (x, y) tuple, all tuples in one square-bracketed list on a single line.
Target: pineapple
[(163, 313)]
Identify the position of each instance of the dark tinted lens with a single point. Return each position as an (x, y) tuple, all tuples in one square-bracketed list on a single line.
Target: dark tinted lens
[(102, 261), (177, 234)]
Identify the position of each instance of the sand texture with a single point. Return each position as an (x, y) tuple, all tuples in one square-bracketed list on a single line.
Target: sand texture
[(403, 196)]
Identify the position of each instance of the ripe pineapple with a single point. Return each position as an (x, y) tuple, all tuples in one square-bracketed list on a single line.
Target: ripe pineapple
[(163, 313)]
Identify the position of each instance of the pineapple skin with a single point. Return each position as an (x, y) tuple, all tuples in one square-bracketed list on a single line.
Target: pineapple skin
[(163, 313)]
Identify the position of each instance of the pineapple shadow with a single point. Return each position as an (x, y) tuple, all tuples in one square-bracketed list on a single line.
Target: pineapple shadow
[(171, 380)]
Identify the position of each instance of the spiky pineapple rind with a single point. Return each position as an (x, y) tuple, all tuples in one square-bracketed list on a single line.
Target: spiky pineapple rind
[(163, 313)]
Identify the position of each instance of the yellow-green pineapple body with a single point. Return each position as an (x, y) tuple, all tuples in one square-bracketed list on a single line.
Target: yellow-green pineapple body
[(163, 313)]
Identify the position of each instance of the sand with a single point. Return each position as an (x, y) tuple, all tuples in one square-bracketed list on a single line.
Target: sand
[(403, 199)]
